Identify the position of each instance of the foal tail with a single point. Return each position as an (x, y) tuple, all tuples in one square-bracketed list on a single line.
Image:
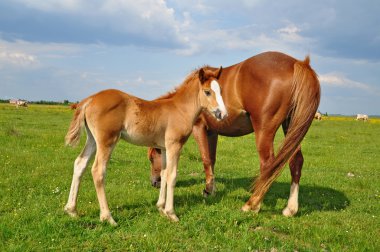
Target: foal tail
[(73, 134), (305, 101)]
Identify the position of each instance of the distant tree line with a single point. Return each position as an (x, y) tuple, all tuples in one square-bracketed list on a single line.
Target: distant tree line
[(65, 102)]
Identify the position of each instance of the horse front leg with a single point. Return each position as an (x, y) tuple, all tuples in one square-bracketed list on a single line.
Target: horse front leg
[(170, 176), (295, 164), (207, 147)]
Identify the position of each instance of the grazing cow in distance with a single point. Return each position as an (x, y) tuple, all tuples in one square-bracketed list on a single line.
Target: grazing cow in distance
[(361, 117), (22, 103), (318, 116)]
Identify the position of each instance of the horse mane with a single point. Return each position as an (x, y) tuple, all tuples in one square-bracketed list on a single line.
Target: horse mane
[(188, 80)]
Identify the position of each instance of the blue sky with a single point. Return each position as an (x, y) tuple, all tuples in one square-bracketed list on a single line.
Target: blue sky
[(69, 49)]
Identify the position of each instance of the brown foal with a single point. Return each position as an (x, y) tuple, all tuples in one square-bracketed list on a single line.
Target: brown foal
[(163, 123)]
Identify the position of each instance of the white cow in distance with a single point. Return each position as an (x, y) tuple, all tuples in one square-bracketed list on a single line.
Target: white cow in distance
[(318, 116), (362, 117), (21, 103)]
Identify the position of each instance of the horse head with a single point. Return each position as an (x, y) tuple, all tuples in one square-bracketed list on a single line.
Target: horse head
[(211, 92)]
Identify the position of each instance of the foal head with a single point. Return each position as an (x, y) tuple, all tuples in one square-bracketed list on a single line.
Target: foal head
[(211, 93)]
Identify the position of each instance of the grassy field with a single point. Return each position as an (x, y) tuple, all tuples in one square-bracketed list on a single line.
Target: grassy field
[(338, 212)]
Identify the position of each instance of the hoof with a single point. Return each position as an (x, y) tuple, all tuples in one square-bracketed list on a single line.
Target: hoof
[(210, 190), (171, 216), (206, 193), (112, 222), (161, 210), (287, 212), (109, 219), (256, 209), (247, 207), (71, 211)]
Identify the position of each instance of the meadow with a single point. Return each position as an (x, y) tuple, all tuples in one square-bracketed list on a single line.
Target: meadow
[(339, 193)]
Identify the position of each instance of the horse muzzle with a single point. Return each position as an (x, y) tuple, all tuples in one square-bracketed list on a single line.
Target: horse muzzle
[(155, 181), (220, 115)]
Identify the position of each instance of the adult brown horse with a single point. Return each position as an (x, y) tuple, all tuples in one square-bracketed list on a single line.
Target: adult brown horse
[(166, 124), (261, 93)]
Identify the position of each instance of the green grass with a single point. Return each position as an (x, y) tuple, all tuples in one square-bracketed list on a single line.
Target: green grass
[(337, 212)]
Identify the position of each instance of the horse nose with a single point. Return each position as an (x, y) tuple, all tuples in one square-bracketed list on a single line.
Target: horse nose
[(218, 114), (155, 181)]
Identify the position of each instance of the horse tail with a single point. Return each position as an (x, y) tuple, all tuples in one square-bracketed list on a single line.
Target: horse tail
[(306, 93), (75, 130)]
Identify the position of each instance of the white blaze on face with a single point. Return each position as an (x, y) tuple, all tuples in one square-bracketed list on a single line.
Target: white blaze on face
[(216, 88)]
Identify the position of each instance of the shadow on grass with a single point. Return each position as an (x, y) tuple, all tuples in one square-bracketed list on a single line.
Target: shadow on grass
[(311, 197)]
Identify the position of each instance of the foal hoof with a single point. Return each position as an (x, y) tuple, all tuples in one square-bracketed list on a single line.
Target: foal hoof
[(161, 210), (170, 215), (109, 219), (71, 211), (287, 212)]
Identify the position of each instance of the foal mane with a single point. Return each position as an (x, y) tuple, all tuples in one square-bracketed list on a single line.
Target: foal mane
[(193, 75)]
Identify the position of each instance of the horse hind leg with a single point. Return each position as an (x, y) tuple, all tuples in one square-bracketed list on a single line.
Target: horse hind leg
[(264, 145), (98, 171), (80, 165), (295, 165)]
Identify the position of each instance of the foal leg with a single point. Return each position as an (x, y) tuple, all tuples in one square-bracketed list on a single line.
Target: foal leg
[(264, 145), (207, 147), (162, 197), (295, 164), (80, 165), (102, 157), (172, 158)]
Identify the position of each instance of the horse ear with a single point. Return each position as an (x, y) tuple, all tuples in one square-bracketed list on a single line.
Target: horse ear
[(202, 75), (219, 72)]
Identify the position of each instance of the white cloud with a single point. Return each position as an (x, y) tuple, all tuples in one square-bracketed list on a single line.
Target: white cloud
[(340, 80), (245, 38), (148, 19), (290, 33), (179, 29), (16, 57), (35, 48)]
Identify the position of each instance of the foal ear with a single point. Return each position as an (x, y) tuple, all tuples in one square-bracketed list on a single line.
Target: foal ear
[(219, 72), (202, 75)]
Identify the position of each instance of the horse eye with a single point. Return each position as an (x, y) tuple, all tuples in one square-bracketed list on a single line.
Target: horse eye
[(207, 92)]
